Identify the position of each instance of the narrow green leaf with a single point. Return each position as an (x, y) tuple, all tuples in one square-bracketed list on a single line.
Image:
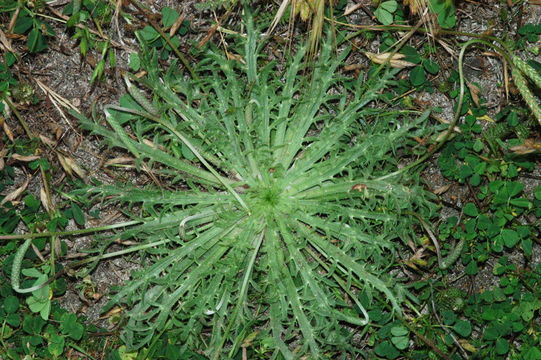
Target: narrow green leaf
[(78, 214)]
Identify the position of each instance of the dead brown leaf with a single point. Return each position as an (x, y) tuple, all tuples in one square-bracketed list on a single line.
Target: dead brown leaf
[(152, 145), (56, 129), (176, 25), (352, 8), (3, 153), (416, 6), (112, 312), (12, 196), (45, 200), (393, 59), (442, 189), (206, 38), (47, 141), (126, 242), (6, 129), (119, 160), (140, 74), (279, 14), (70, 166), (5, 43), (236, 57), (529, 146), (75, 167), (65, 166), (474, 91), (359, 187), (417, 259), (353, 67), (25, 158), (467, 346)]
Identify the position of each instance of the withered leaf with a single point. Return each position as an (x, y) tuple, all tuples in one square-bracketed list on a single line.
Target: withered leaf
[(12, 196), (394, 59), (25, 158)]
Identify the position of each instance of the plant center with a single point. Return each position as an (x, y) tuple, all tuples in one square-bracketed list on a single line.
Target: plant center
[(270, 197), (267, 199)]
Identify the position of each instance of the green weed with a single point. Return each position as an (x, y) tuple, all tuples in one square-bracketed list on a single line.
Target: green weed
[(26, 20), (276, 228), (36, 325)]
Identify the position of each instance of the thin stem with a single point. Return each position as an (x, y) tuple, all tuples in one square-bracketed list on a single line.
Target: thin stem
[(408, 28), (4, 345), (50, 210), (167, 39), (19, 117), (64, 19), (456, 115), (82, 262), (70, 232)]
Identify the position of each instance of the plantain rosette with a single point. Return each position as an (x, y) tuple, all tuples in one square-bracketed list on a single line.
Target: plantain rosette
[(274, 221)]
